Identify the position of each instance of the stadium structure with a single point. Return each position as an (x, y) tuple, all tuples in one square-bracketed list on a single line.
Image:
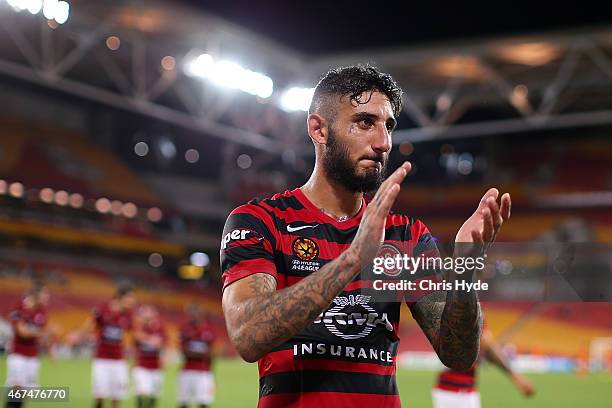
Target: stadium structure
[(129, 130)]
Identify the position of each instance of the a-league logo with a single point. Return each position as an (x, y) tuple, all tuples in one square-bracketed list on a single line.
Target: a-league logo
[(305, 249)]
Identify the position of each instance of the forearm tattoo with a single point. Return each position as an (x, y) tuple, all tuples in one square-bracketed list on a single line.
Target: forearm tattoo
[(271, 317), (452, 321)]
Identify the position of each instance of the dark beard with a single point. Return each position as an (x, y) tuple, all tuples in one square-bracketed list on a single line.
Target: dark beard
[(338, 167)]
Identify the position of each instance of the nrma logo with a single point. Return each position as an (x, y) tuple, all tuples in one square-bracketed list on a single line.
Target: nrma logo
[(352, 318)]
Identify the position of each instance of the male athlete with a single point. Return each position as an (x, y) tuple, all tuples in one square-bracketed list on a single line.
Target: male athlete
[(110, 323), (150, 339), (28, 319), (457, 389), (196, 383), (292, 290)]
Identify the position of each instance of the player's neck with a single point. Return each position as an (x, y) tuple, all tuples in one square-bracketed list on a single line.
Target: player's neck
[(331, 198)]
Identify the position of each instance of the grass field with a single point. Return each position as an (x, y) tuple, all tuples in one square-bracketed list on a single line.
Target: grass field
[(237, 387)]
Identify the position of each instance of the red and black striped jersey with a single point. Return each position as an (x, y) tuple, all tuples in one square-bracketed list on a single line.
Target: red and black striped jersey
[(196, 343), (346, 357), (111, 327), (147, 356), (35, 319), (457, 381)]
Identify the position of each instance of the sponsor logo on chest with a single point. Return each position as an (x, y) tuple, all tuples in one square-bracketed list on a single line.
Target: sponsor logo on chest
[(352, 317)]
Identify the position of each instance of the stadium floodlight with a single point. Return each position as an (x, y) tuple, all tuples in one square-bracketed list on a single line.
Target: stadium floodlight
[(62, 12), (156, 260), (199, 259), (46, 195), (103, 205), (49, 8), (296, 99), (62, 198), (16, 190), (166, 147), (192, 156), (129, 210), (55, 10), (76, 200), (154, 214), (17, 5), (201, 66), (33, 6), (231, 75)]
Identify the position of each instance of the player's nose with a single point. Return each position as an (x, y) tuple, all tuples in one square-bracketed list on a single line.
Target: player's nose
[(382, 139)]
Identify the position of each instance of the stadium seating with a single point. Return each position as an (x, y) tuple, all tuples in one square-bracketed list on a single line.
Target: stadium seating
[(41, 156)]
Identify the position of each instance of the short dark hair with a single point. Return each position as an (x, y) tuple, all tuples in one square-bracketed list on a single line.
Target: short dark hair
[(124, 289), (38, 285), (353, 81)]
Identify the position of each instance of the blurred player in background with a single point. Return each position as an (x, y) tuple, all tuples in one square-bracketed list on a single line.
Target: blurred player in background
[(109, 323), (457, 389), (196, 381), (29, 320), (149, 338)]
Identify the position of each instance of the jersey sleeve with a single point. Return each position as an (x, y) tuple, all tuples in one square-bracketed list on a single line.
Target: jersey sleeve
[(247, 244)]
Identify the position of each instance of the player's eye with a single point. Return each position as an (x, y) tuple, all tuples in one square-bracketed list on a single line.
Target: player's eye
[(366, 123)]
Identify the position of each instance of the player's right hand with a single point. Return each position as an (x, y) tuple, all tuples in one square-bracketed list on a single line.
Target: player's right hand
[(371, 231), (524, 385)]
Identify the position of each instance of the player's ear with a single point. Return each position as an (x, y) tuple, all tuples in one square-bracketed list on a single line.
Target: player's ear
[(317, 128)]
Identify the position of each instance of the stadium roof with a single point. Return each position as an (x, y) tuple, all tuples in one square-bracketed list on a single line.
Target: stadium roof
[(323, 27), (454, 85)]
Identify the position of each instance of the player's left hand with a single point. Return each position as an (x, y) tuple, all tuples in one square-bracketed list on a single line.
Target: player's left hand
[(485, 223)]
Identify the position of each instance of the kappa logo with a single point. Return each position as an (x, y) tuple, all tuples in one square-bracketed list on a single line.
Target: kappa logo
[(234, 235), (346, 321)]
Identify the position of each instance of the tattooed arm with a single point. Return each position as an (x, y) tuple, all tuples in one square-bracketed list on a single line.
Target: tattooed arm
[(452, 320), (259, 317)]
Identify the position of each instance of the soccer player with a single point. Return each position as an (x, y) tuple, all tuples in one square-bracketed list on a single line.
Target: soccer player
[(110, 322), (292, 290), (28, 319), (457, 389), (150, 338), (196, 381)]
